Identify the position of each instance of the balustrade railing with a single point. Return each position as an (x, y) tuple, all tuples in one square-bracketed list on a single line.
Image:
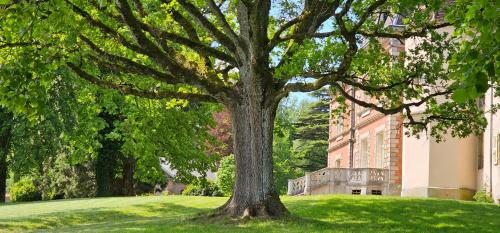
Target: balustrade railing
[(296, 186), (347, 176)]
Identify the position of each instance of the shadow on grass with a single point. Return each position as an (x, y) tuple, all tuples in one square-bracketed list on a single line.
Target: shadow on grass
[(396, 215), (324, 214), (102, 219)]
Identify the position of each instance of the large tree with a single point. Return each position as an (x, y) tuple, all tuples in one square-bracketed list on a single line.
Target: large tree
[(247, 55)]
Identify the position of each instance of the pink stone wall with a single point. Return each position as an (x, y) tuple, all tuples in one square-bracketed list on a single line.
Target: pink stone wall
[(368, 124)]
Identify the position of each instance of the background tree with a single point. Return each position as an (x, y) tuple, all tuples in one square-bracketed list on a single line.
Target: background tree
[(245, 54), (284, 159), (226, 174), (223, 134), (6, 120), (310, 138), (53, 145)]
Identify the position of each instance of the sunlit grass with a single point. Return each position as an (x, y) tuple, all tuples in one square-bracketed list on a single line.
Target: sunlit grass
[(309, 214)]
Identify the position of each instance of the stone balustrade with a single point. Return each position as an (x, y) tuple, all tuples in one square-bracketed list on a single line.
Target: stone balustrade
[(341, 181)]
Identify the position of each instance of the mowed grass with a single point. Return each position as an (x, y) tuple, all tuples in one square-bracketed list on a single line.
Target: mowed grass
[(309, 214)]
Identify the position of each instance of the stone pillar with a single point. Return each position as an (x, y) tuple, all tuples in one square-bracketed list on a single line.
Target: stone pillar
[(393, 160), (290, 188), (307, 184)]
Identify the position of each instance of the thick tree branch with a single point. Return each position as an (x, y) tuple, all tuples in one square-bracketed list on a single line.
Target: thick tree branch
[(135, 27), (223, 22), (405, 34), (105, 29), (388, 111), (191, 76), (128, 90), (17, 44), (205, 23), (368, 13), (139, 68), (277, 35), (316, 12), (198, 47)]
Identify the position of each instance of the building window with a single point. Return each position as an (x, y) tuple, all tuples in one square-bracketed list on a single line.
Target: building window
[(398, 21), (338, 163), (376, 192), (365, 153), (340, 126), (379, 150), (480, 152), (356, 192)]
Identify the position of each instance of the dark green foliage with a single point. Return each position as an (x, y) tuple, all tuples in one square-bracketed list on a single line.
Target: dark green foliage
[(310, 137), (64, 180), (203, 188), (6, 119), (24, 190), (106, 163), (283, 155), (226, 175)]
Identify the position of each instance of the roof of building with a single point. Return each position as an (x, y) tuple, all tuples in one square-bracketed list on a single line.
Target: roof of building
[(172, 173)]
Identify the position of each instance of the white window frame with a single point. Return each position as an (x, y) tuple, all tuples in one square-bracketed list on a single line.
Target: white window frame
[(364, 152), (379, 149), (338, 163), (340, 126)]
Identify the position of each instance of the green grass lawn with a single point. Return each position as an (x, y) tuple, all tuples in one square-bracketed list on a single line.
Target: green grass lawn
[(309, 214)]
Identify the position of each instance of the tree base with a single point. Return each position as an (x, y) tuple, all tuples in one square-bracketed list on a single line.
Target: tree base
[(271, 208)]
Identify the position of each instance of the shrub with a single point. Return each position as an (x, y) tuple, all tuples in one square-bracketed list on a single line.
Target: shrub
[(483, 196), (226, 175), (61, 179), (202, 188), (25, 190)]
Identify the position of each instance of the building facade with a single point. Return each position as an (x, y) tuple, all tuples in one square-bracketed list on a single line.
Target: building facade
[(365, 138), (368, 153)]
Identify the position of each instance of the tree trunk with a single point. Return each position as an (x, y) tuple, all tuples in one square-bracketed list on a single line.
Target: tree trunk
[(129, 164), (254, 193), (3, 171), (5, 134)]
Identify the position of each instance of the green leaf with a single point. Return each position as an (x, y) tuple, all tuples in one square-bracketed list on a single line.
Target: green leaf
[(490, 69), (460, 95), (481, 82)]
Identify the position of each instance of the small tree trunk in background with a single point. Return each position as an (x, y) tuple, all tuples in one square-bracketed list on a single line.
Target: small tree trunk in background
[(3, 172), (107, 159), (105, 170), (129, 164), (5, 134)]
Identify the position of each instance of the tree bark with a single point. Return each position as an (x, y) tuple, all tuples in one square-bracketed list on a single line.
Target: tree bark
[(254, 193), (5, 134), (3, 170), (129, 164)]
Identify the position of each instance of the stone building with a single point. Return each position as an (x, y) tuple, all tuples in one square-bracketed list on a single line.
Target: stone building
[(369, 154), (173, 186)]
